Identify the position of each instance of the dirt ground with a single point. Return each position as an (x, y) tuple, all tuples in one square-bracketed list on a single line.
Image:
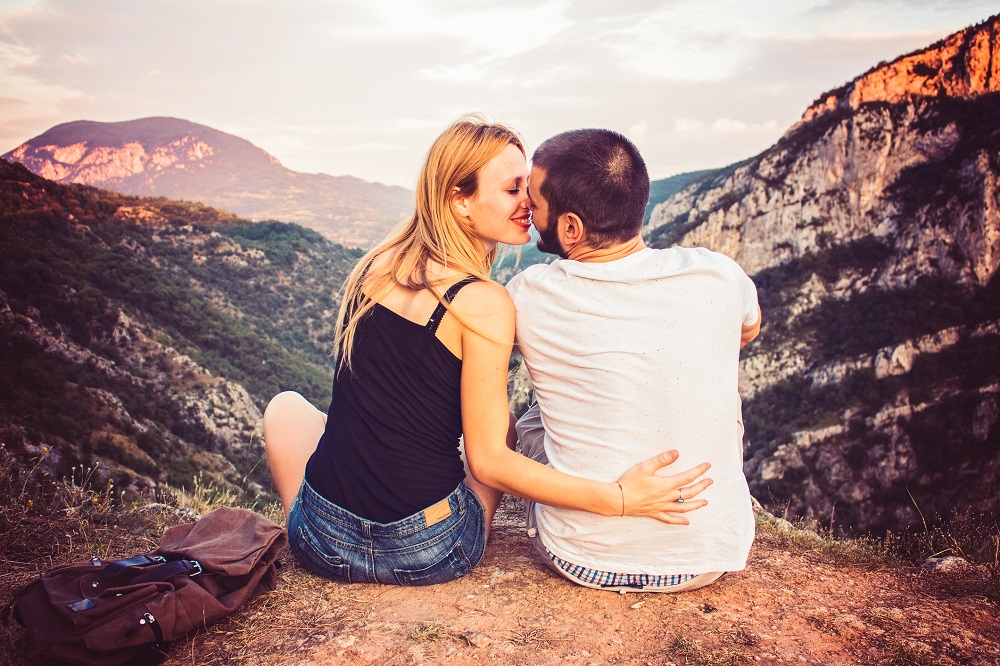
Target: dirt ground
[(801, 599), (798, 601)]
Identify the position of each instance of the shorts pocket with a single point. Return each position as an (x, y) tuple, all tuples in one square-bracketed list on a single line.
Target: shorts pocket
[(309, 553), (453, 565)]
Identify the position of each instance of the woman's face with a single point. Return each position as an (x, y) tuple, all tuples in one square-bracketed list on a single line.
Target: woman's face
[(500, 209)]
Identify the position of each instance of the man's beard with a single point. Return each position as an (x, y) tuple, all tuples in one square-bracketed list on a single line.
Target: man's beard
[(548, 240)]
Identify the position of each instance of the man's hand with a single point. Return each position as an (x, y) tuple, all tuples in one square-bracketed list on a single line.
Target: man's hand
[(748, 333), (665, 498)]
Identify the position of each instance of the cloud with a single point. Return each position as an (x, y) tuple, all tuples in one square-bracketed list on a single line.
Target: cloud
[(733, 126), (345, 87), (688, 125), (638, 131)]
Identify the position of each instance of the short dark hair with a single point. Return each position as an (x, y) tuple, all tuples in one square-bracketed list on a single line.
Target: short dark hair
[(599, 175)]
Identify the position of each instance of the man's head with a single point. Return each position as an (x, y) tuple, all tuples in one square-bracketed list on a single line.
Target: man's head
[(594, 176)]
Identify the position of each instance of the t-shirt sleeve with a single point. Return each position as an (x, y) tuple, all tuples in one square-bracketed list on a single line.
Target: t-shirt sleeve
[(513, 285), (750, 303), (747, 290)]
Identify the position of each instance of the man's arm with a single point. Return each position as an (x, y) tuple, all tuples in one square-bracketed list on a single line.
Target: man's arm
[(750, 331)]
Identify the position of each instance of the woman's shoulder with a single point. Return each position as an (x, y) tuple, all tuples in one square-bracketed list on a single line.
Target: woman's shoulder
[(481, 293), (485, 306)]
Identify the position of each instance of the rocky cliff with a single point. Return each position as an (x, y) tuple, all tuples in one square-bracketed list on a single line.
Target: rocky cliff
[(212, 421), (872, 229), (963, 66), (182, 160)]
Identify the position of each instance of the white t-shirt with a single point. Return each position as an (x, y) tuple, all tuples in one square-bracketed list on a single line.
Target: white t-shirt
[(631, 358)]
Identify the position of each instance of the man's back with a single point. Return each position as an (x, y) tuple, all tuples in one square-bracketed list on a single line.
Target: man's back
[(630, 358)]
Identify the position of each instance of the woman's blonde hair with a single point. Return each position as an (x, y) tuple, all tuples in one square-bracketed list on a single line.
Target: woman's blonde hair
[(435, 231)]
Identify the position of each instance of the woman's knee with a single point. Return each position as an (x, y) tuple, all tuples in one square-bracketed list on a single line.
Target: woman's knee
[(286, 407), (281, 404), (290, 418)]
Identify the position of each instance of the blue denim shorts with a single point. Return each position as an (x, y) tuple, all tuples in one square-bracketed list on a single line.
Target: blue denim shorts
[(436, 545)]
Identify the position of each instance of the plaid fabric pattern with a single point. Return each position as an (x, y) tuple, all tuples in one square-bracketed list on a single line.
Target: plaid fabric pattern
[(609, 579)]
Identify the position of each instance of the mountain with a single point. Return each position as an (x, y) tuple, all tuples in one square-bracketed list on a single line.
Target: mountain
[(872, 231), (182, 160), (664, 188), (141, 338)]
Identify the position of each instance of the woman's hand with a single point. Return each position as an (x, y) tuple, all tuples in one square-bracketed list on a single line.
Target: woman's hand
[(644, 493)]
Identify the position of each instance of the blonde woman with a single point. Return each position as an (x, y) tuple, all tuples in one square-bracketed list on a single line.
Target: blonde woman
[(376, 490)]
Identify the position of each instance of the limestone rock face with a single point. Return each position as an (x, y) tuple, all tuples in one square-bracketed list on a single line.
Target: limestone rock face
[(220, 407), (808, 193), (964, 65), (873, 234), (110, 165), (197, 402)]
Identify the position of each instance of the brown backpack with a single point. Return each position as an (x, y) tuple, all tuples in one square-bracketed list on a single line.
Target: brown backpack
[(128, 611)]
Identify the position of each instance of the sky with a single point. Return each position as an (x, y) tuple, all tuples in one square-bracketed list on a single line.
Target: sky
[(362, 87)]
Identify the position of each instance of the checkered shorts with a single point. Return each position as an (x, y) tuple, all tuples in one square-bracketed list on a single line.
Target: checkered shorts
[(609, 579)]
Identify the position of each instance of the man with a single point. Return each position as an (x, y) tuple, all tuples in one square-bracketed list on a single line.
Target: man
[(631, 351)]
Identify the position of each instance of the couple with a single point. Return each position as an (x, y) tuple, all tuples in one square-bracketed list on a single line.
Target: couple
[(632, 352)]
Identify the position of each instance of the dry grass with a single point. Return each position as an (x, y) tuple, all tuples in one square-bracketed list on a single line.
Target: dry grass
[(689, 651), (826, 548), (430, 631), (46, 522), (536, 639), (206, 495), (898, 653), (869, 552)]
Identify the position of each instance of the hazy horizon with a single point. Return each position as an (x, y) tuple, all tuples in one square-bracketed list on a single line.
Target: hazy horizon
[(362, 89)]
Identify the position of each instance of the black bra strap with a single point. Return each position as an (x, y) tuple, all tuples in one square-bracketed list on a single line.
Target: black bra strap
[(438, 315)]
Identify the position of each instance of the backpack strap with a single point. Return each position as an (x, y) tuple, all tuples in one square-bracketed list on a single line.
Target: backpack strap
[(168, 570), (440, 310), (148, 573), (144, 569), (112, 569)]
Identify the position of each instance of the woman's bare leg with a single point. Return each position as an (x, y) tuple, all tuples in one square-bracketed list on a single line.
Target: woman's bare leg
[(490, 497), (292, 428)]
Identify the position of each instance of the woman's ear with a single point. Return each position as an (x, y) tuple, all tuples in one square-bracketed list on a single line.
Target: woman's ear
[(461, 203)]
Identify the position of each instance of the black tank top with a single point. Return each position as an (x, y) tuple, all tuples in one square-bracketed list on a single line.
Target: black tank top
[(390, 448)]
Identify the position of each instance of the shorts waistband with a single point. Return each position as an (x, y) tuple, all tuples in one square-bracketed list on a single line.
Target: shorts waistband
[(455, 502), (610, 579)]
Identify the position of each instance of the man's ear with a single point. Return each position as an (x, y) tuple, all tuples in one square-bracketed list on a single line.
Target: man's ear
[(572, 231)]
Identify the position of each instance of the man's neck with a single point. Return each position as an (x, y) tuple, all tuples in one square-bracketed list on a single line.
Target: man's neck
[(587, 254)]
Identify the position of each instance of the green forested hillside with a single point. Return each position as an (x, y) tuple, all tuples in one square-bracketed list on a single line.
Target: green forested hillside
[(121, 318), (664, 188)]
